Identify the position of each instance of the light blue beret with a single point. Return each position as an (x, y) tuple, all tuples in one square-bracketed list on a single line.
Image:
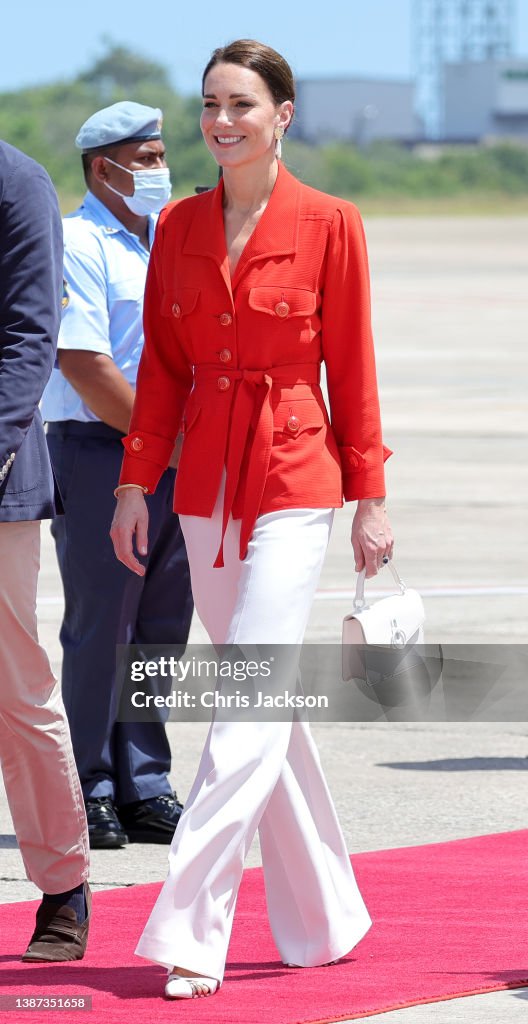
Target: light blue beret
[(122, 122)]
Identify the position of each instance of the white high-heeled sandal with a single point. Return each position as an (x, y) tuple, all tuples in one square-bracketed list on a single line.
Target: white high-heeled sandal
[(180, 986), (329, 963)]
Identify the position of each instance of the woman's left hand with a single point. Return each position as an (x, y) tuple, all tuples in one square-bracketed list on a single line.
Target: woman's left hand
[(372, 538)]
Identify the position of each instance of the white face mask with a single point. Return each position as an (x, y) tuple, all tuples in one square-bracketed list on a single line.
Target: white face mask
[(152, 189)]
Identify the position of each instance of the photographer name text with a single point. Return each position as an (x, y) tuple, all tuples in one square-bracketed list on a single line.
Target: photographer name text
[(214, 699)]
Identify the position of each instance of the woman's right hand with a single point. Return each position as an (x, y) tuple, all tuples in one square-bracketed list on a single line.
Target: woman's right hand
[(130, 519)]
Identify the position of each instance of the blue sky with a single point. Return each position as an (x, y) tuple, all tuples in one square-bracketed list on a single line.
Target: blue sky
[(44, 40)]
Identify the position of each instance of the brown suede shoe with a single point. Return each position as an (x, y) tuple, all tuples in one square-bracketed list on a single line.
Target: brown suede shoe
[(57, 934)]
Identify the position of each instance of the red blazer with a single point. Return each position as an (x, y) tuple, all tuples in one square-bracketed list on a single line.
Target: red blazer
[(239, 361)]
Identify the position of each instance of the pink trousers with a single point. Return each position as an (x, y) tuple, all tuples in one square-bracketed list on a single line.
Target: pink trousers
[(38, 766)]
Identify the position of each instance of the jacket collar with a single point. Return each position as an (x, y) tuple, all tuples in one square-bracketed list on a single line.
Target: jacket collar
[(276, 233)]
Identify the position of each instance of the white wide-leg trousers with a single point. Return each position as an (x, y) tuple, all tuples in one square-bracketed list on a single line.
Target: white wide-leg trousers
[(264, 775), (36, 755)]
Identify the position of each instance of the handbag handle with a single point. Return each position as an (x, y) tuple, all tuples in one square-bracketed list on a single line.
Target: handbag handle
[(359, 599)]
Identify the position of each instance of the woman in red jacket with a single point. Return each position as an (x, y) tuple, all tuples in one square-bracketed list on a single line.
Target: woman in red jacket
[(251, 286)]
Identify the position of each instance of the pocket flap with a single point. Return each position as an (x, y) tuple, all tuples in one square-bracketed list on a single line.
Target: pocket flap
[(293, 419), (179, 302), (282, 303)]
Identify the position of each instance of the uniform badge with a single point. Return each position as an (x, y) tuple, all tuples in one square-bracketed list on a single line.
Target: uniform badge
[(65, 294)]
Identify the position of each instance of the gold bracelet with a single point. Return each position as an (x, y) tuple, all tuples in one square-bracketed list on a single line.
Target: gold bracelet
[(122, 487)]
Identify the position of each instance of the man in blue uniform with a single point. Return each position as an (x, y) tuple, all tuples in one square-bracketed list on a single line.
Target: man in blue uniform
[(123, 766), (39, 771)]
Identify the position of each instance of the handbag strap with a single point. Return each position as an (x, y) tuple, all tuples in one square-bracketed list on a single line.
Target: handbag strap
[(359, 599)]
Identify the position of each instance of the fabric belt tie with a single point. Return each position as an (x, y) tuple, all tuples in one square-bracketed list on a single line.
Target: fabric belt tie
[(252, 405)]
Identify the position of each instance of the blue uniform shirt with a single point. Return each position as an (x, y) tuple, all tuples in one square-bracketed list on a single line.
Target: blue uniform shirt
[(105, 268)]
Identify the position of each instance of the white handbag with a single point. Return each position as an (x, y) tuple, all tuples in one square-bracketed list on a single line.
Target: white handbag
[(378, 637)]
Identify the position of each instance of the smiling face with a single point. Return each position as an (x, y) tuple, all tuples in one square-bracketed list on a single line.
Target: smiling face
[(239, 115)]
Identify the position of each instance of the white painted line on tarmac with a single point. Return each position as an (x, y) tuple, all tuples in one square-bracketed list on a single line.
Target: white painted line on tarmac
[(345, 595), (453, 591)]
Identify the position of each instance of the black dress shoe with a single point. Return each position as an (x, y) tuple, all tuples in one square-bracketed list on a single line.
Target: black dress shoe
[(104, 827), (151, 821), (58, 936)]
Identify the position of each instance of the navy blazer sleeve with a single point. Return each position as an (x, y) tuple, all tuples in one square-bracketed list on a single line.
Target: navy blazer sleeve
[(30, 293)]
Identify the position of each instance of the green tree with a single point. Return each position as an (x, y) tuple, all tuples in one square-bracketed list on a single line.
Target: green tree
[(121, 69)]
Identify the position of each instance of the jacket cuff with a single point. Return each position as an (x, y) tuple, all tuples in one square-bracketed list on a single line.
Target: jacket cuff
[(363, 475), (146, 458)]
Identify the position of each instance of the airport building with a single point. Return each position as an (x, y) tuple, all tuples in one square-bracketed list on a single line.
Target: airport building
[(486, 98), (356, 110)]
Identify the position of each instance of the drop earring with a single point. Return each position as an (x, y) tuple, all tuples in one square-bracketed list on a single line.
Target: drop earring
[(279, 135)]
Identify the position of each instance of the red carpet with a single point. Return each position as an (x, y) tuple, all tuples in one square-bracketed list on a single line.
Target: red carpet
[(449, 920)]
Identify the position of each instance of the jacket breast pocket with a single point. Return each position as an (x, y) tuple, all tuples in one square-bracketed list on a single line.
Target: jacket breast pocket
[(283, 303), (179, 303)]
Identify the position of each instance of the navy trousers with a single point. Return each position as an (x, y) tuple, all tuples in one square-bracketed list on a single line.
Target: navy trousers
[(106, 604)]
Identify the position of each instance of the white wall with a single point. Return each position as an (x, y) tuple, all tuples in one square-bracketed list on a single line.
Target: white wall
[(358, 110), (486, 98)]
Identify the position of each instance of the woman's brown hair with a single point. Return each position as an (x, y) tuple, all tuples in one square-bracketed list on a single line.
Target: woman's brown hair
[(272, 68)]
